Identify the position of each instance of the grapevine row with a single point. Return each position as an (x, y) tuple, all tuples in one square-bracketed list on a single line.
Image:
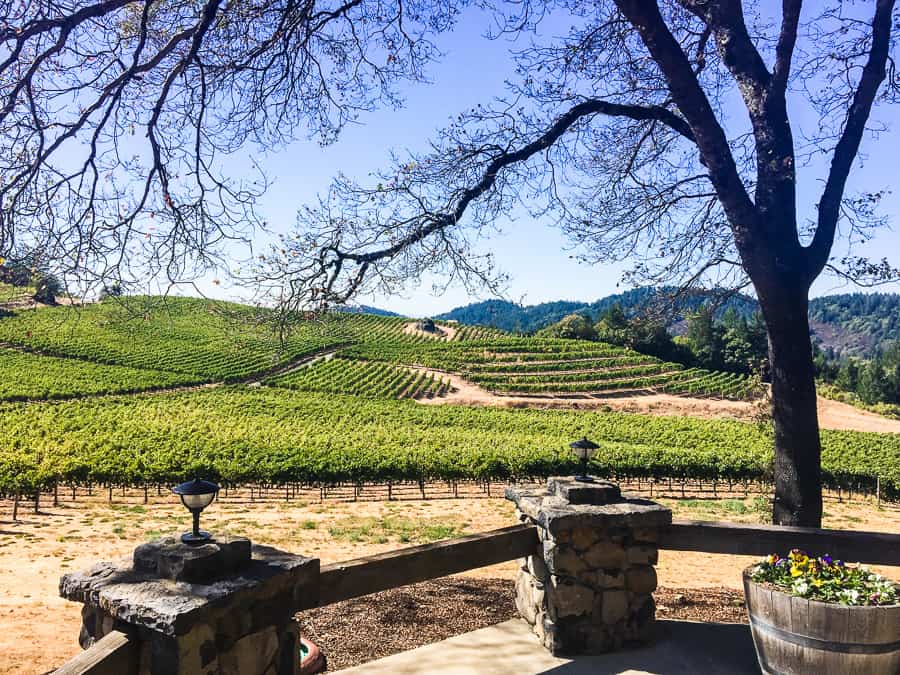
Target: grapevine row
[(276, 436)]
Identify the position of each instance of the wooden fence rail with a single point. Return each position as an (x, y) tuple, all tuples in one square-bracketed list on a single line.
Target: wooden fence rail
[(354, 578), (873, 548), (115, 654)]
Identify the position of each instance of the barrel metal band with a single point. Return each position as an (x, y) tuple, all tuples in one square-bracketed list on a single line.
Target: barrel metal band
[(825, 645)]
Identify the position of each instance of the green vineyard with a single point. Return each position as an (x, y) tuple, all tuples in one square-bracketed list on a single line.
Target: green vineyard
[(327, 411), (272, 436), (371, 379), (214, 341), (32, 377)]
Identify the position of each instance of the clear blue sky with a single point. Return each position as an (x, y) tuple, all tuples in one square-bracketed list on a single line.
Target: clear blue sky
[(534, 255)]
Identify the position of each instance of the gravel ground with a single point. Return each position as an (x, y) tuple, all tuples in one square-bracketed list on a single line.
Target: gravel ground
[(382, 624)]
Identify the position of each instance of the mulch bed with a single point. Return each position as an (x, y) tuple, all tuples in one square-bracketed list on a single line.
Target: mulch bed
[(378, 625)]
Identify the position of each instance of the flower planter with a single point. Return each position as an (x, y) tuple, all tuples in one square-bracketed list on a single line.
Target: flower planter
[(312, 660), (795, 635)]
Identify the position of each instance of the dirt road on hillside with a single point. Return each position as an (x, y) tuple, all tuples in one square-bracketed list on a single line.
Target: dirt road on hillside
[(832, 414)]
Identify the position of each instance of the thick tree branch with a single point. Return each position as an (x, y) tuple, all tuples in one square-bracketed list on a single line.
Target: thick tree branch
[(549, 137), (787, 39), (695, 106), (873, 75)]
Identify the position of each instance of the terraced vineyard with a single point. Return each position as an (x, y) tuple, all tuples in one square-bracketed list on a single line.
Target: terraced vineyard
[(224, 342), (544, 367), (370, 379)]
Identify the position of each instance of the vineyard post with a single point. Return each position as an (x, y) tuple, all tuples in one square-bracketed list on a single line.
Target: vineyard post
[(15, 515), (55, 493), (37, 500), (878, 489)]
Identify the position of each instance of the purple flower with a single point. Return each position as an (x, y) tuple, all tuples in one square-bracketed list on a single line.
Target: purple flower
[(782, 562), (826, 559), (839, 563)]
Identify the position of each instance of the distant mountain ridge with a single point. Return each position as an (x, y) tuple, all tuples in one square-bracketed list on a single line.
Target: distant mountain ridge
[(850, 323), (529, 318)]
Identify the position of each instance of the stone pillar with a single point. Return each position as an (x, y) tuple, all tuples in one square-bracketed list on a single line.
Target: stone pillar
[(588, 589), (221, 608)]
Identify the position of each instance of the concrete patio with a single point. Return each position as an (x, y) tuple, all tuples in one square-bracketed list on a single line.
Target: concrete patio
[(509, 648)]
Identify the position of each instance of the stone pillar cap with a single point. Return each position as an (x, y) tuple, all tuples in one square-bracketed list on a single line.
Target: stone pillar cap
[(555, 513), (140, 598), (171, 558), (574, 491)]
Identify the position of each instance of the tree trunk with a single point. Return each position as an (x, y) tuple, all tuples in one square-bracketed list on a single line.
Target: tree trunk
[(798, 474)]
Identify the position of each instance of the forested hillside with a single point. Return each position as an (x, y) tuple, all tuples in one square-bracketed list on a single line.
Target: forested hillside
[(860, 322), (850, 324), (659, 302)]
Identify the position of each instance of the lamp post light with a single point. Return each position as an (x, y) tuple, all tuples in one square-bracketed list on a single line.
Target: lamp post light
[(584, 450), (196, 495)]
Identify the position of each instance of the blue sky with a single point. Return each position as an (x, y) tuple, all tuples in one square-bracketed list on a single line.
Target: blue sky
[(533, 254)]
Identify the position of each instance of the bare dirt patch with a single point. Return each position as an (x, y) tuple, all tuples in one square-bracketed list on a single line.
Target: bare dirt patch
[(837, 415), (832, 414), (410, 617), (39, 630)]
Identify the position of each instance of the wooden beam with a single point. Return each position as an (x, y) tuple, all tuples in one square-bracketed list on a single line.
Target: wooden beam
[(354, 578), (874, 548), (113, 654)]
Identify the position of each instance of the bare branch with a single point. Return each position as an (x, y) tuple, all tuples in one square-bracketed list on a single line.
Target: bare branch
[(847, 147)]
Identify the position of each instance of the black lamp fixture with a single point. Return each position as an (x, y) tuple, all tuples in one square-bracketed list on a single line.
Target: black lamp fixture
[(584, 450), (196, 495)]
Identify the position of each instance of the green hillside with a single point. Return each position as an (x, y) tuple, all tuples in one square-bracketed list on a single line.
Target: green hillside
[(189, 340), (321, 408)]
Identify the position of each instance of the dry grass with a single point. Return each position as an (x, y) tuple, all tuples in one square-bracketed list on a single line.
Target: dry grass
[(38, 630)]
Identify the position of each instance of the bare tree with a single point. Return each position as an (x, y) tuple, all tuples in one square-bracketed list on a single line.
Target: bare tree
[(655, 131), (118, 118)]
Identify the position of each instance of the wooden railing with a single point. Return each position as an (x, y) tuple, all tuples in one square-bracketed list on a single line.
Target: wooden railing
[(115, 654), (873, 548), (354, 578), (362, 576)]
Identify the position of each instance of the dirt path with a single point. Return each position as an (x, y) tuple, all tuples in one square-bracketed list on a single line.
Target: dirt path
[(291, 366), (837, 415), (832, 414), (39, 630)]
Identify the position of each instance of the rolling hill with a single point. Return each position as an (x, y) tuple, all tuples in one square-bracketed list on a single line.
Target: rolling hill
[(188, 341)]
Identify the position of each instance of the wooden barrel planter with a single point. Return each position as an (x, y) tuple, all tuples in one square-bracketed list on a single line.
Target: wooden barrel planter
[(796, 635)]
